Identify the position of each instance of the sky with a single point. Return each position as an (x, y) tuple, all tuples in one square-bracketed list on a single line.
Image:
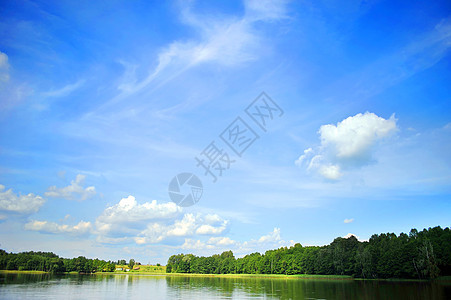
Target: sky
[(303, 120)]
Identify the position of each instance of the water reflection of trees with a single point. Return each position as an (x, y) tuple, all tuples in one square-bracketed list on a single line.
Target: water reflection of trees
[(230, 287)]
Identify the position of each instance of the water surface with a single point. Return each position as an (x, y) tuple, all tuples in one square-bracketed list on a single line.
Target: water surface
[(46, 286)]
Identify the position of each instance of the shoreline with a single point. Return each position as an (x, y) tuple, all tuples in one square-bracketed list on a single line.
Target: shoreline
[(256, 276), (22, 272), (271, 276)]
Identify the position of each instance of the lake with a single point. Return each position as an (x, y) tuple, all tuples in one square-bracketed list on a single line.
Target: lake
[(46, 286)]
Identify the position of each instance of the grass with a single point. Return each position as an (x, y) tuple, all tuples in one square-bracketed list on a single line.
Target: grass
[(161, 270), (22, 272), (146, 271), (143, 270), (444, 278), (279, 276)]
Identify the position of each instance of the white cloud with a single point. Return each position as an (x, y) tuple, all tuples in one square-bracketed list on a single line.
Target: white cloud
[(191, 244), (189, 225), (351, 234), (225, 41), (271, 240), (151, 222), (213, 224), (221, 241), (9, 201), (354, 137), (4, 67), (307, 153), (330, 171), (183, 227), (11, 92), (425, 51), (348, 144), (266, 10), (74, 191), (51, 227), (129, 211), (271, 237), (65, 90), (347, 221), (208, 229)]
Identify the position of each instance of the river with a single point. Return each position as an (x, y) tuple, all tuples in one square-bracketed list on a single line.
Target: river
[(45, 286)]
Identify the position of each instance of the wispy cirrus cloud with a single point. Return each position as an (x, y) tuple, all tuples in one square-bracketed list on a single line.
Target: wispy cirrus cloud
[(11, 92), (4, 67), (225, 41), (422, 53), (65, 90)]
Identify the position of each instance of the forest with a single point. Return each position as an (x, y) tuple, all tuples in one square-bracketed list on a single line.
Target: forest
[(418, 255), (50, 262)]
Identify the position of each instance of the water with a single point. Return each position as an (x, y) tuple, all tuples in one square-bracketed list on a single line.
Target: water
[(45, 286)]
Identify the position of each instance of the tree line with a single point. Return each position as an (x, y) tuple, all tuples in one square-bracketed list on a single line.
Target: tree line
[(420, 254), (50, 262)]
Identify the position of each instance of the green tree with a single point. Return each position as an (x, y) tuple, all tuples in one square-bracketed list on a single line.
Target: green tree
[(131, 263)]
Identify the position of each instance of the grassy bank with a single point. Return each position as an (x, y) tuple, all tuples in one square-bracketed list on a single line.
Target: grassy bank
[(277, 276), (139, 269), (21, 272), (161, 271), (272, 276), (444, 278)]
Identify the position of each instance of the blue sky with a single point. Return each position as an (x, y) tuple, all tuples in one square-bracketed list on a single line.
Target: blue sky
[(102, 104)]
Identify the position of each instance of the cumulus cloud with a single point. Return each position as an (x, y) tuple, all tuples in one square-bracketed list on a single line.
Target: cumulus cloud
[(191, 244), (73, 191), (354, 137), (271, 237), (351, 234), (9, 201), (189, 225), (129, 211), (221, 241), (217, 244), (307, 153), (50, 227), (128, 218), (148, 223), (213, 243), (349, 144), (153, 222), (347, 221)]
